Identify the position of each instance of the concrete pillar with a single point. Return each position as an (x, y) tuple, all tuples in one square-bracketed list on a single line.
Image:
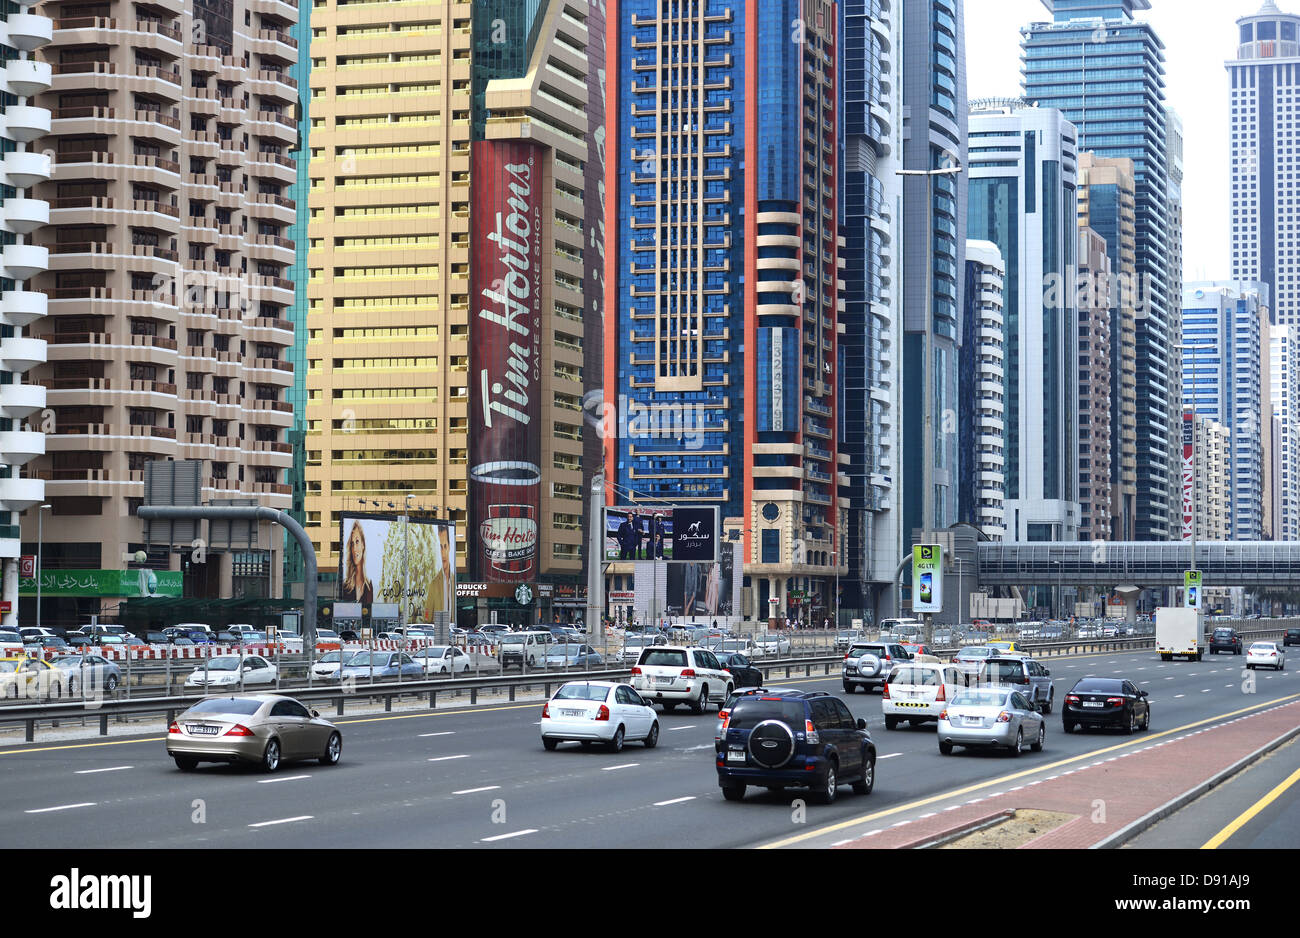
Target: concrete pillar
[(1129, 594), (225, 574), (9, 592)]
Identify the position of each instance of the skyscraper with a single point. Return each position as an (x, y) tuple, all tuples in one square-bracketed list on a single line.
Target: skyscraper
[(448, 242), (1263, 108), (1022, 198), (726, 276), (22, 215), (934, 226), (1107, 206), (871, 343), (1096, 450), (1105, 71), (982, 437), (1284, 348), (1225, 379)]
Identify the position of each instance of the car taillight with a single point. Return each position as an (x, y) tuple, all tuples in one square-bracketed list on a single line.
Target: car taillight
[(239, 730), (943, 714), (846, 657), (726, 720), (810, 732), (1115, 701), (174, 728), (1004, 716), (941, 696), (546, 711), (636, 670), (1071, 698), (688, 672), (602, 713), (884, 694)]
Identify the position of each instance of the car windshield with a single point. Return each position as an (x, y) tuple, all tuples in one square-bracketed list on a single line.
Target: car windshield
[(69, 661), (1263, 646), (8, 667), (735, 644), (1098, 685), (581, 692), (513, 638), (369, 659), (975, 651), (243, 706), (667, 659), (433, 651), (329, 657), (857, 651), (751, 711), (924, 677), (1004, 671), (1223, 633), (566, 650), (222, 664), (980, 698)]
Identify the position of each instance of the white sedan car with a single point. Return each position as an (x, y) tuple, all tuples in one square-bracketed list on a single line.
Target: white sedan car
[(771, 644), (1265, 655), (226, 671), (442, 659), (598, 711), (328, 663)]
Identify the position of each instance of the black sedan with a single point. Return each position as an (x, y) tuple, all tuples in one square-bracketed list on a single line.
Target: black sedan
[(1292, 637), (1106, 702), (741, 669), (1225, 639)]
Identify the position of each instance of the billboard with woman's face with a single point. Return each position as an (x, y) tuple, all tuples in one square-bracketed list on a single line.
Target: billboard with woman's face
[(382, 558)]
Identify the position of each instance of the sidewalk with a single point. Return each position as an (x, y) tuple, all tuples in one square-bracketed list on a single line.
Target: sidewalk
[(1106, 795)]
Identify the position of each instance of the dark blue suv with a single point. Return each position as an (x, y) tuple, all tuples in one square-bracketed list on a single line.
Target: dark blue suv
[(794, 739)]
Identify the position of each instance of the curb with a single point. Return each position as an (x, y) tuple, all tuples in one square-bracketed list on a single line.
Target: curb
[(958, 832), (1151, 818)]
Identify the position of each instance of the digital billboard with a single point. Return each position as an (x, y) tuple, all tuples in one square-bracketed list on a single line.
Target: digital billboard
[(668, 533), (505, 386), (380, 555)]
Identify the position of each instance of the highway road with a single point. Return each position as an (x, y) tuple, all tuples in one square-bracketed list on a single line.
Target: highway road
[(478, 777)]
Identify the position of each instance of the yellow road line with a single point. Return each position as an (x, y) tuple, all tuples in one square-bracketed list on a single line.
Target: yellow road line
[(1217, 840), (1144, 739)]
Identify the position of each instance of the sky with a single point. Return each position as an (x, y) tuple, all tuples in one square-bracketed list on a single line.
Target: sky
[(1199, 36)]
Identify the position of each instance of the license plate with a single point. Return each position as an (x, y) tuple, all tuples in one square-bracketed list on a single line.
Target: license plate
[(664, 680), (973, 721), (735, 755), (572, 713), (196, 730), (850, 670), (1093, 703)]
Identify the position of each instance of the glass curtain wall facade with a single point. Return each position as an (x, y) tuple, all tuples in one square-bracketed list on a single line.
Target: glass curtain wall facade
[(934, 93), (299, 273), (1105, 71)]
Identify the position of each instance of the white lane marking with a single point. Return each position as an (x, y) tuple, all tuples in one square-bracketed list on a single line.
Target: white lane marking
[(283, 778), (473, 791), (445, 733), (1176, 696), (841, 843), (924, 816), (488, 840), (1206, 691), (116, 768), (615, 768), (660, 804), (63, 807), (888, 756), (678, 729), (287, 820), (445, 758)]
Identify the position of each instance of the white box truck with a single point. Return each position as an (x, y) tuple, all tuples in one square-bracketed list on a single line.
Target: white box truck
[(1179, 631)]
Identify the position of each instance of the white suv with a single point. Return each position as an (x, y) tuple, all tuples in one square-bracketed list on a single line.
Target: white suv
[(919, 691), (673, 674)]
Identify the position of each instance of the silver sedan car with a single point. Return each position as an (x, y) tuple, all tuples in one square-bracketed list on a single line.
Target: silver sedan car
[(991, 716), (261, 729)]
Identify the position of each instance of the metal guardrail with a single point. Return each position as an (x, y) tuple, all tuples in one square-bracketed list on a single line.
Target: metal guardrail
[(31, 714)]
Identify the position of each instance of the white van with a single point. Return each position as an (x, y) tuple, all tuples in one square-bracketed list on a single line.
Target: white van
[(524, 648), (901, 630)]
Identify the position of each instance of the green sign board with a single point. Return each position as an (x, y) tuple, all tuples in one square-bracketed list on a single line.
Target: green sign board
[(123, 583), (1192, 589), (927, 578)]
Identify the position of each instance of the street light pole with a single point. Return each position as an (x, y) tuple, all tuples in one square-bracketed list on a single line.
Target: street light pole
[(40, 553), (406, 566)]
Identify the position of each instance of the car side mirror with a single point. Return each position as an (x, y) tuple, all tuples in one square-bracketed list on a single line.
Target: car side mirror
[(862, 724), (315, 713)]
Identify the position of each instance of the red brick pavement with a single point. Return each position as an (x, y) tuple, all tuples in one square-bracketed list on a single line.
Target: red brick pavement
[(1106, 793)]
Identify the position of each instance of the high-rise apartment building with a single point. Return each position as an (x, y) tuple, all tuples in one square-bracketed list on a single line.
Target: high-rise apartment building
[(1226, 379), (871, 344), (1022, 198), (169, 276), (1284, 355), (1107, 206), (22, 215), (1096, 450), (449, 143), (933, 70), (1105, 70), (982, 492), (1264, 104), (1212, 453), (726, 280)]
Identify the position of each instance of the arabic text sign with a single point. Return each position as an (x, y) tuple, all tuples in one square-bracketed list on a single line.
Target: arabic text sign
[(125, 583)]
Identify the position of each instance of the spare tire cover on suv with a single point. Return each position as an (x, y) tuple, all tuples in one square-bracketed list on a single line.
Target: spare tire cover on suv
[(771, 744), (868, 665)]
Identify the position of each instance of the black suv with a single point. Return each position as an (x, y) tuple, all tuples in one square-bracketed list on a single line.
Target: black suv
[(1291, 637), (787, 739), (1225, 639)]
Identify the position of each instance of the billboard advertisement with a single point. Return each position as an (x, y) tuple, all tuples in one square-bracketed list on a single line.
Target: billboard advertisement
[(927, 578), (139, 583), (1192, 589), (705, 590), (380, 556), (666, 533), (505, 413), (1189, 472)]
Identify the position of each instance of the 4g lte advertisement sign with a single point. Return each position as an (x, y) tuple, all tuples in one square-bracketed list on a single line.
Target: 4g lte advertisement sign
[(506, 358), (927, 578)]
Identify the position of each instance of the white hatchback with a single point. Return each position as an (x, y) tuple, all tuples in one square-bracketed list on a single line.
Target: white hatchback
[(919, 691), (1265, 655), (673, 674), (598, 711)]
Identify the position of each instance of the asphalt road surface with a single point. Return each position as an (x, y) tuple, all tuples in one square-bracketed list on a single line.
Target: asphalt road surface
[(479, 777)]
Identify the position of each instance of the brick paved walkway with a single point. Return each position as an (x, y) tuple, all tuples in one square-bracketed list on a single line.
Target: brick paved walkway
[(1147, 776)]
